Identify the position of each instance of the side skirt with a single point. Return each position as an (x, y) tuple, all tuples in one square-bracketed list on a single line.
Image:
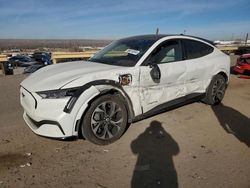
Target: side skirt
[(170, 105)]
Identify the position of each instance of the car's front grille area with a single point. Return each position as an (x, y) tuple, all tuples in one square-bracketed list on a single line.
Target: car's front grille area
[(37, 124)]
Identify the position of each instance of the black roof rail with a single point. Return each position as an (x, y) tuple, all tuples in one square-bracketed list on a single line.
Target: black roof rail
[(157, 37), (206, 40)]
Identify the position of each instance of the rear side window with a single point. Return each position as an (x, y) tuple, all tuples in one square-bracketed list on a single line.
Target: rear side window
[(196, 49)]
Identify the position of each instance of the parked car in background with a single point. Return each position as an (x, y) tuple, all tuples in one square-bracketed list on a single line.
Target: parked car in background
[(43, 57), (243, 65), (33, 68), (128, 80), (22, 61), (242, 50), (31, 64)]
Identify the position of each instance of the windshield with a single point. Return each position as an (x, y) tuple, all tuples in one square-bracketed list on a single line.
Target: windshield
[(125, 52)]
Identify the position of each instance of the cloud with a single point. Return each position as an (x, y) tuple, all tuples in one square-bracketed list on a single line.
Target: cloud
[(99, 18)]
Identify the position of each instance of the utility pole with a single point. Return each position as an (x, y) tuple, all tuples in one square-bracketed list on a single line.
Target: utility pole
[(232, 38), (246, 39), (184, 32), (157, 31)]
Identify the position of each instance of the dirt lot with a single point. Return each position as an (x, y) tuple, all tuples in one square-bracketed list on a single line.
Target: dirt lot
[(192, 146)]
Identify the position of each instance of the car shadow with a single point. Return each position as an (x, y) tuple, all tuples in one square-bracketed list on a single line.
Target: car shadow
[(233, 122), (155, 149)]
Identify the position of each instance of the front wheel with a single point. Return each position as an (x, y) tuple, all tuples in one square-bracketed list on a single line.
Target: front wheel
[(216, 90), (105, 121)]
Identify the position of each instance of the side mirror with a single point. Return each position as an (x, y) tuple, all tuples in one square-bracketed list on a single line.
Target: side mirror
[(152, 62), (155, 72)]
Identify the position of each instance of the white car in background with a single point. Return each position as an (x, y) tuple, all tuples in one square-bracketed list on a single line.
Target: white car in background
[(128, 80)]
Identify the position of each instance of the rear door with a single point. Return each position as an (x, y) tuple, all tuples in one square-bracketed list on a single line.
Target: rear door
[(199, 65)]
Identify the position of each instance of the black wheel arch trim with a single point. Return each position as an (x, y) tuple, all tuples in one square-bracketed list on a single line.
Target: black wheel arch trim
[(222, 73), (190, 98), (70, 104)]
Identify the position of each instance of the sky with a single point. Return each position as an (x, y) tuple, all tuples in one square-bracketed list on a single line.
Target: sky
[(113, 19)]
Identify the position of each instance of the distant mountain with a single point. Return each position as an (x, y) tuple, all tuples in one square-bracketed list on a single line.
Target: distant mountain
[(6, 44)]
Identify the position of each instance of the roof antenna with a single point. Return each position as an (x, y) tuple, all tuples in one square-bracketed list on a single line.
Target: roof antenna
[(157, 31), (246, 39)]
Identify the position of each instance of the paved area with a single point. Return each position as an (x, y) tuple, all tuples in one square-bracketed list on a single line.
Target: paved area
[(192, 146)]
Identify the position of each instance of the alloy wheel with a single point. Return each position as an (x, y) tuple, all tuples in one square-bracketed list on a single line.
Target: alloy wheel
[(218, 90), (106, 120)]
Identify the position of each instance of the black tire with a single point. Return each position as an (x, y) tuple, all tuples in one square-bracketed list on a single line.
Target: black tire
[(216, 90), (106, 120), (246, 72)]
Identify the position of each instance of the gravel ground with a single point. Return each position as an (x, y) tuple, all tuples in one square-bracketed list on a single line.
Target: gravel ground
[(192, 146)]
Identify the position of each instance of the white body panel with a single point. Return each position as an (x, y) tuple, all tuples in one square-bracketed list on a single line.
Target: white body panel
[(46, 117)]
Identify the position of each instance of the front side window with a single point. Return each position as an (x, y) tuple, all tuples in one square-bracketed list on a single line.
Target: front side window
[(167, 52), (125, 52), (196, 49)]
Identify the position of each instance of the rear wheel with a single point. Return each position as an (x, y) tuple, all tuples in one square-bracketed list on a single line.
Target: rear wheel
[(106, 120), (216, 90)]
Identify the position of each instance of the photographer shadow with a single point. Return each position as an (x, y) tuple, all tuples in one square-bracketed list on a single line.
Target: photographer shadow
[(155, 149)]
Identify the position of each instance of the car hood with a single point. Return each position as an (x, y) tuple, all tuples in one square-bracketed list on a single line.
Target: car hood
[(57, 76)]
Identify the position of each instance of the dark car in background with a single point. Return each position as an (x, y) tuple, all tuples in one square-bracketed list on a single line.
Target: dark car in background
[(44, 58), (31, 63), (22, 61), (33, 68)]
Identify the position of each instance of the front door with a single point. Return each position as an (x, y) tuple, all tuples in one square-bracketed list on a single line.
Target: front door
[(171, 84)]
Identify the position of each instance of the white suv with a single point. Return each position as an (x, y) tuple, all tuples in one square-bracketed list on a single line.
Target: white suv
[(130, 79)]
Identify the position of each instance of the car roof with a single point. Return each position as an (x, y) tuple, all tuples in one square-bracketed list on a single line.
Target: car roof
[(149, 37), (156, 37), (245, 56)]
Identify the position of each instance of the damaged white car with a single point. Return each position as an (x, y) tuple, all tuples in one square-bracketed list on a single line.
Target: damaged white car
[(128, 80)]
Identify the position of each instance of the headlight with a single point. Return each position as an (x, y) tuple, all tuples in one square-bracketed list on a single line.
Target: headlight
[(57, 94)]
